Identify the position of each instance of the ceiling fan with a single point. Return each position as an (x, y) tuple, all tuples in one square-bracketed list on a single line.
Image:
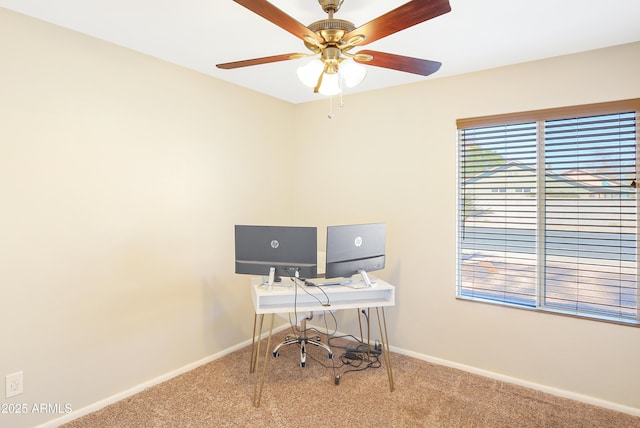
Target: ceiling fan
[(333, 39)]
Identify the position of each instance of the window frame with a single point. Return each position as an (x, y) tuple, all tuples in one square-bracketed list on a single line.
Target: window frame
[(539, 117)]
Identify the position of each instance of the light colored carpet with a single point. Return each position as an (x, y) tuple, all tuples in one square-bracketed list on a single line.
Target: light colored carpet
[(219, 394)]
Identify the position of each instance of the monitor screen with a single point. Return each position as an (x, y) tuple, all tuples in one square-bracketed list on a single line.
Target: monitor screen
[(277, 251), (355, 249)]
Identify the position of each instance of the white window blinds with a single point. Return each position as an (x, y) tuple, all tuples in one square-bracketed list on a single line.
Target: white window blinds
[(590, 215), (547, 214), (497, 231)]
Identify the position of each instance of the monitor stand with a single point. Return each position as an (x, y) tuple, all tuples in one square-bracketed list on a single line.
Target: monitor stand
[(365, 278), (271, 279)]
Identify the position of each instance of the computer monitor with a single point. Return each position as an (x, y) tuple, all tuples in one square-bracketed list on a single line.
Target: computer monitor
[(355, 249), (276, 251)]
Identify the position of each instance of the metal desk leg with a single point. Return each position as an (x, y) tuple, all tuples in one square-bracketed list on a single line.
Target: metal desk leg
[(360, 325), (384, 338), (257, 391), (257, 319)]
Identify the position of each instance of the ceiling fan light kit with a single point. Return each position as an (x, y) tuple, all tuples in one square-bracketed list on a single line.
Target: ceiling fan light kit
[(352, 73), (331, 40), (308, 74)]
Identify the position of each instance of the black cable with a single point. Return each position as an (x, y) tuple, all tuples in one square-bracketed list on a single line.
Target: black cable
[(342, 337), (364, 362), (335, 321), (295, 329), (333, 355), (310, 284), (373, 362), (327, 304)]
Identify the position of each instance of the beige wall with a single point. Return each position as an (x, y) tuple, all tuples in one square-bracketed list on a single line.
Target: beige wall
[(392, 157), (121, 177)]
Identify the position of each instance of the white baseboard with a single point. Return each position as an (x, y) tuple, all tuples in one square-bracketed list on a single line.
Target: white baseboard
[(543, 388), (634, 411), (132, 391), (141, 387)]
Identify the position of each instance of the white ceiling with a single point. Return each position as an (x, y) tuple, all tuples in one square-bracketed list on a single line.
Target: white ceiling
[(475, 35)]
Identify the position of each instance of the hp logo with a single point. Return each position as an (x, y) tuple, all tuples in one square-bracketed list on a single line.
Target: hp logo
[(275, 244), (358, 241)]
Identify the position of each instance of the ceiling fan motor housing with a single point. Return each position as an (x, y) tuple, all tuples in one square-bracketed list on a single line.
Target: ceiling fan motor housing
[(331, 30)]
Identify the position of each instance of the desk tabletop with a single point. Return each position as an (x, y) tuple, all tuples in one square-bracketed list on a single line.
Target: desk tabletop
[(288, 297)]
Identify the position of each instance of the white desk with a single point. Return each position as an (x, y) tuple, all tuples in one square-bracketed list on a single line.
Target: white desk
[(287, 298)]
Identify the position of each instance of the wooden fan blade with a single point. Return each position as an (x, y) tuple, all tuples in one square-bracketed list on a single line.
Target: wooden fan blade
[(278, 17), (405, 16), (407, 64), (257, 61)]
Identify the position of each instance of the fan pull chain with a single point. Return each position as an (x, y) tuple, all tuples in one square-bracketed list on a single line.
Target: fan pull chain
[(341, 105)]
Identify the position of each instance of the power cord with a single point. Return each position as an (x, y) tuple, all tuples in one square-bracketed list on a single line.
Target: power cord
[(355, 362)]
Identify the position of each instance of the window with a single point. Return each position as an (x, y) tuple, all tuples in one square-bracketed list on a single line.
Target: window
[(561, 233)]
